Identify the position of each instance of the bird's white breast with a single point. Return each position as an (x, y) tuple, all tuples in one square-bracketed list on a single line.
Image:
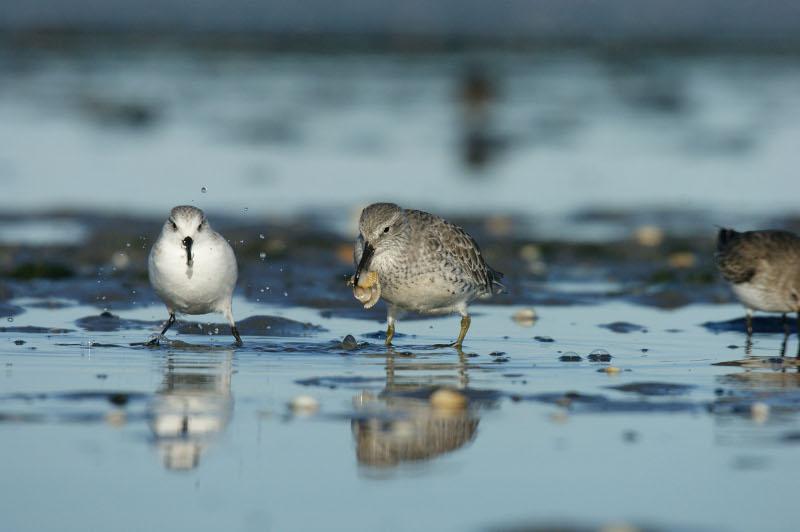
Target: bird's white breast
[(760, 298), (204, 287)]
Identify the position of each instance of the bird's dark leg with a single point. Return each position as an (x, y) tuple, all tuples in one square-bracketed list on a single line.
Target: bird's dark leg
[(169, 324), (235, 333), (787, 329)]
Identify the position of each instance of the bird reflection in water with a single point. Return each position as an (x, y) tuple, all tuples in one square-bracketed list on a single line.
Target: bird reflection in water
[(192, 406), (476, 94), (406, 422)]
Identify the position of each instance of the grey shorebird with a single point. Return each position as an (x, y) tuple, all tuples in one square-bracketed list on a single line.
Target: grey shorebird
[(192, 268), (424, 263), (763, 268)]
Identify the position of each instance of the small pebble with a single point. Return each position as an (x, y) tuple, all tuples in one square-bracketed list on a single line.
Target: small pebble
[(570, 356), (544, 339), (759, 412), (611, 370), (599, 355), (525, 317), (304, 405), (349, 342), (649, 236), (116, 418), (682, 260), (446, 399), (19, 342)]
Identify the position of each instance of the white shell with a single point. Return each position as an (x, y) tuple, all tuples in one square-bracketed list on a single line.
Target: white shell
[(368, 290)]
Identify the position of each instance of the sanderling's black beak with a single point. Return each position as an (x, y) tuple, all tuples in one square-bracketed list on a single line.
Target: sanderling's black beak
[(363, 264), (187, 243)]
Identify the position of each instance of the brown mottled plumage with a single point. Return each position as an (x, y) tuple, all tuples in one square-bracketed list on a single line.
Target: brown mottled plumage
[(425, 264), (763, 268)]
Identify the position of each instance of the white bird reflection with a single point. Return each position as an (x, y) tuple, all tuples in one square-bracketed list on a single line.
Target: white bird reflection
[(395, 430), (192, 407)]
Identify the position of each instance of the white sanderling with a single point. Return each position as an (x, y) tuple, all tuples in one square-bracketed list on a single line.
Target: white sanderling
[(424, 264), (192, 268), (763, 268)]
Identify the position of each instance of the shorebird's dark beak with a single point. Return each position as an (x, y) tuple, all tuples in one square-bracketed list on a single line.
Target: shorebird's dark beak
[(363, 264), (187, 243)]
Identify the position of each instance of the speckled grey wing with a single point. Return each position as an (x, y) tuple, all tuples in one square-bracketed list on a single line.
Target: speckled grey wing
[(460, 251), (741, 256)]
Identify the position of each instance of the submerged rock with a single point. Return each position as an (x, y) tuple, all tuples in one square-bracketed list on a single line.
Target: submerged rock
[(253, 326), (108, 322), (623, 327), (654, 388)]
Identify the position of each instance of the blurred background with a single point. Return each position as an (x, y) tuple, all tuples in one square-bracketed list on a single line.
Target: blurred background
[(556, 132), (533, 108), (591, 147)]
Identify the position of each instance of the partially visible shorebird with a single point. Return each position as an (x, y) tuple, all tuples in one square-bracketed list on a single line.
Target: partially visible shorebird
[(193, 268), (763, 268), (424, 263)]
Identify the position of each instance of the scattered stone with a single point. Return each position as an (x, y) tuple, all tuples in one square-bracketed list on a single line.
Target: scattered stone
[(19, 342), (525, 317), (654, 388), (648, 236), (543, 339), (570, 356), (611, 370), (304, 405), (759, 412), (349, 343), (682, 260), (630, 436), (599, 355), (623, 327)]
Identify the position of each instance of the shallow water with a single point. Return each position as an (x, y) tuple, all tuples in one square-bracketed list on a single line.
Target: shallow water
[(100, 434)]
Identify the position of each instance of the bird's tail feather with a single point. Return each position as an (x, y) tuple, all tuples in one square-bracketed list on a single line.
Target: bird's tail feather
[(495, 285)]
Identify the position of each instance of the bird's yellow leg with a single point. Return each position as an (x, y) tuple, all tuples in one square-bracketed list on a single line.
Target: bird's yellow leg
[(389, 333), (465, 321)]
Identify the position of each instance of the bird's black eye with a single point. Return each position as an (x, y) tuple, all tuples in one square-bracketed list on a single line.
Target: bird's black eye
[(174, 225), (200, 227), (386, 229)]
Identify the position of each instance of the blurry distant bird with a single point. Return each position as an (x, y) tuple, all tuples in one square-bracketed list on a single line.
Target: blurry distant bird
[(192, 268), (763, 268), (424, 264)]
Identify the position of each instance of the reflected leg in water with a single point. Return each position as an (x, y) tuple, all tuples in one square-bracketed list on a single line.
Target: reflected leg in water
[(192, 407), (749, 320), (403, 424)]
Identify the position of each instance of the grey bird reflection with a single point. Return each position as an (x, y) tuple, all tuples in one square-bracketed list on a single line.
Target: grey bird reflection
[(408, 422), (192, 407)]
